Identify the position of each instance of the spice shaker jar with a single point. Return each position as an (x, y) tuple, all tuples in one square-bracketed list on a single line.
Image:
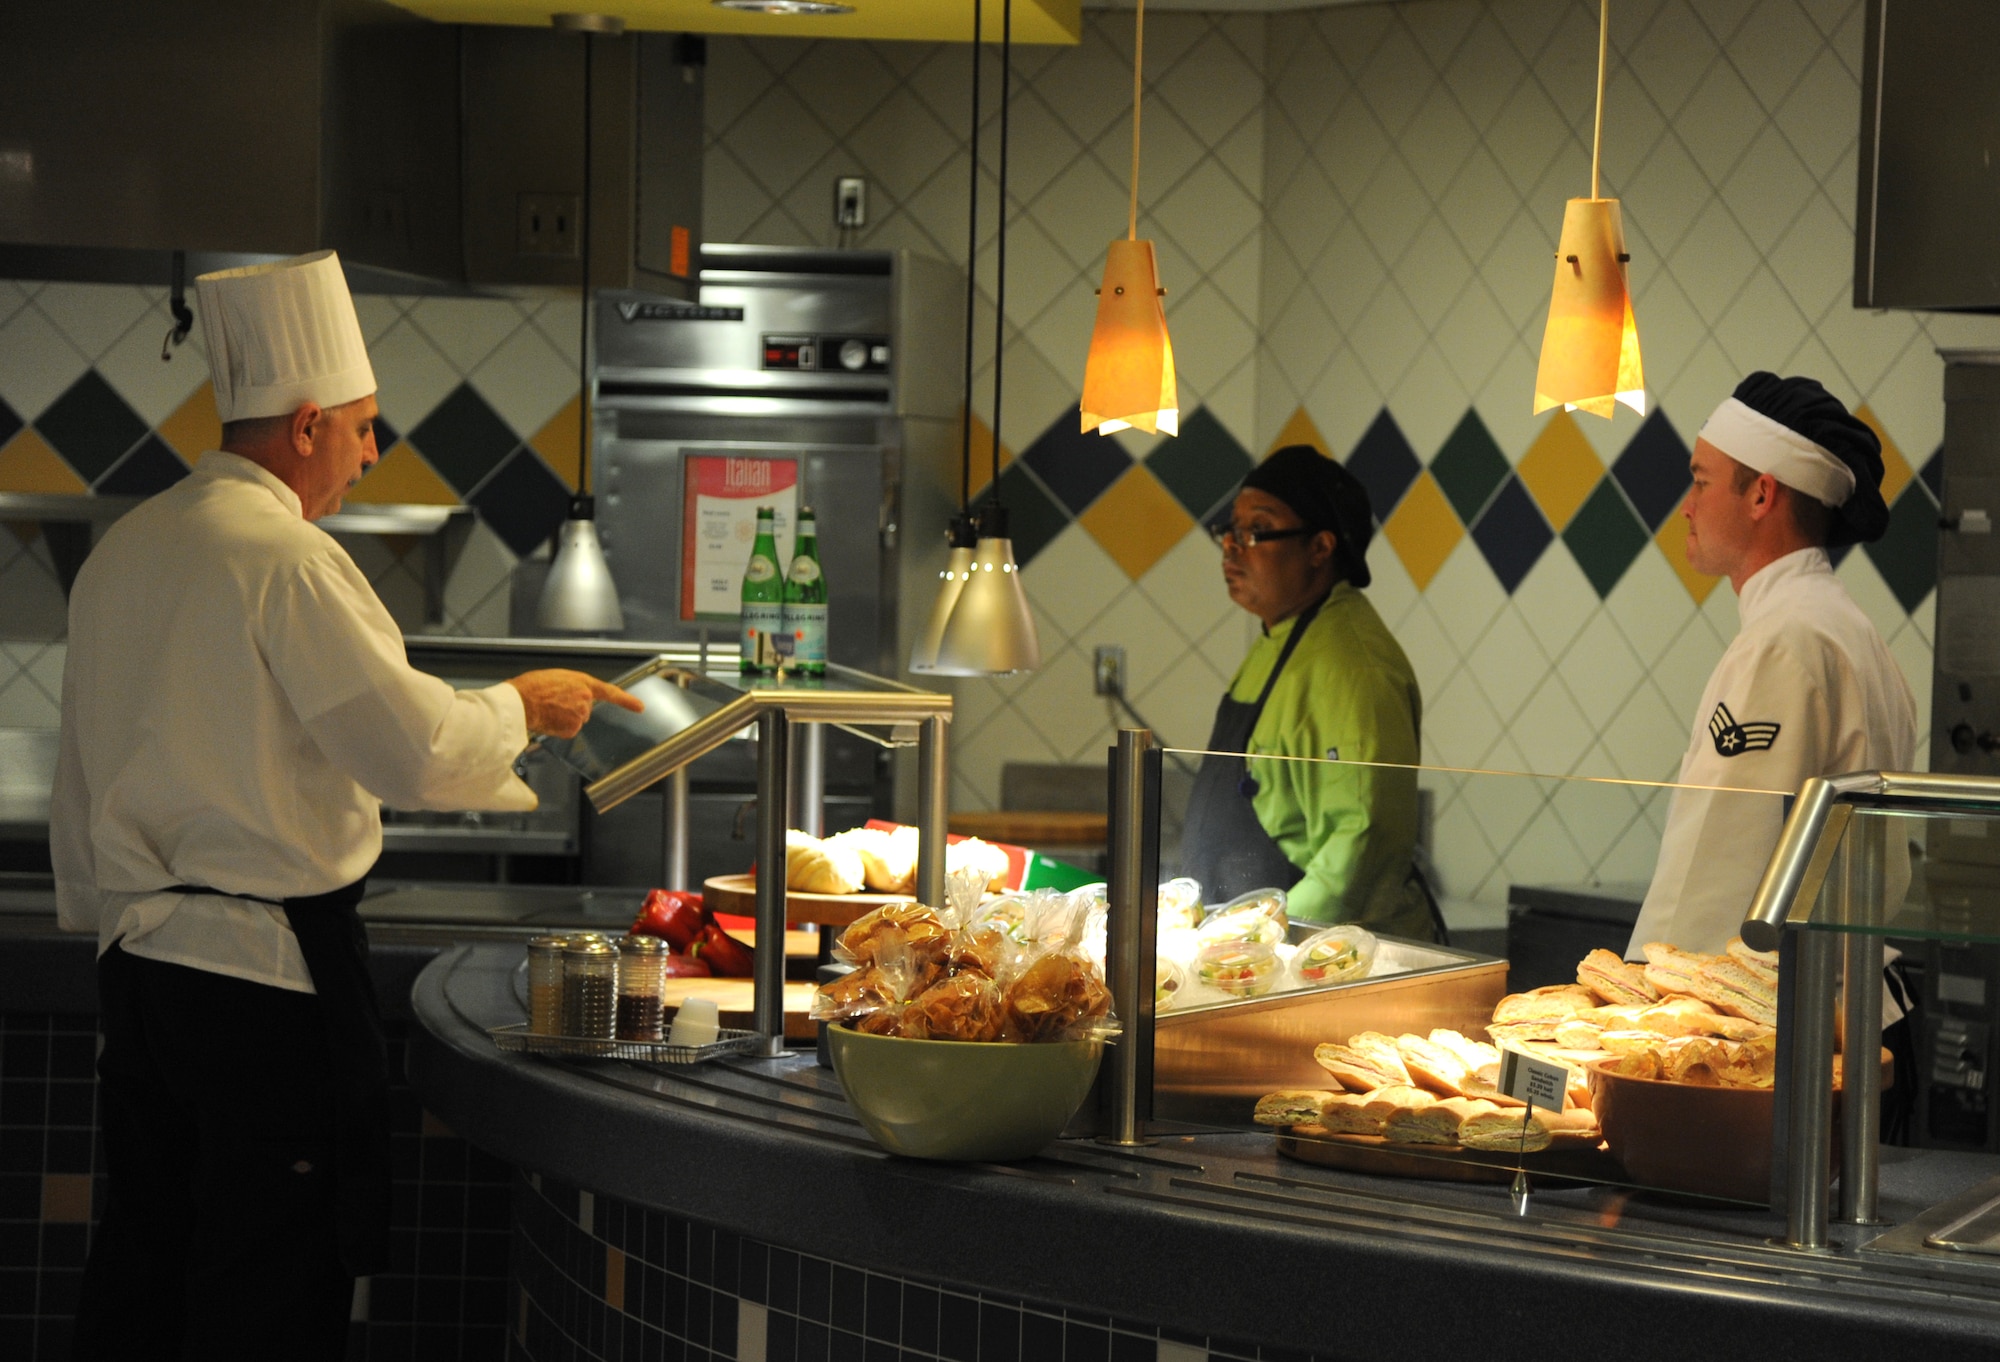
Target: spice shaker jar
[(590, 983), (642, 983), (545, 984)]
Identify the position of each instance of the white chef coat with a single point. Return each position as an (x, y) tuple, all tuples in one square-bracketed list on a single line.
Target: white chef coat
[(237, 705), (1807, 688)]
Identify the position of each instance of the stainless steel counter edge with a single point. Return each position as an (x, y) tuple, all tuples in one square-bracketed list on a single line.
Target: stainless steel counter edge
[(1213, 1234)]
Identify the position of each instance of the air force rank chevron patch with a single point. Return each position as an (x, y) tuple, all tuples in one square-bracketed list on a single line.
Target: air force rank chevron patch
[(1733, 739)]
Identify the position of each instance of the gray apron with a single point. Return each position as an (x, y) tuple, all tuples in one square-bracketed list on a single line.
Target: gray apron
[(1223, 846)]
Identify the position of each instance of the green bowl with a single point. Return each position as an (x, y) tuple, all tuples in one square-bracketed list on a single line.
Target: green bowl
[(963, 1101)]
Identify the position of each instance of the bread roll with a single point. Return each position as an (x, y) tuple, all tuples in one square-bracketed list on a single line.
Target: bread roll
[(888, 858), (1558, 1002), (816, 867), (973, 854)]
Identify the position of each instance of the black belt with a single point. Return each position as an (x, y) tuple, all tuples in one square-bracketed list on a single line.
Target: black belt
[(335, 946)]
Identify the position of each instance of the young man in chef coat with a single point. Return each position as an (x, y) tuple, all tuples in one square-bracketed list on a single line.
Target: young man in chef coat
[(1781, 471), (237, 707)]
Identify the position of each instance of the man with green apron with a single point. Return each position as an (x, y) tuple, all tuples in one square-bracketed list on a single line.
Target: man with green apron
[(237, 707), (1326, 681)]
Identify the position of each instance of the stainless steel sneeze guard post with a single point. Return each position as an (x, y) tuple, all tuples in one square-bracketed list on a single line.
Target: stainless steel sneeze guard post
[(1133, 893), (773, 778), (1821, 830)]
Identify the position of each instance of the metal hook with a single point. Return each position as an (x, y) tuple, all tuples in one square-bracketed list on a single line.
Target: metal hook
[(177, 304)]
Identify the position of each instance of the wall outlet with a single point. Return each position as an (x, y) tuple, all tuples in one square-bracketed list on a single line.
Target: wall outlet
[(850, 201), (545, 224), (1108, 669)]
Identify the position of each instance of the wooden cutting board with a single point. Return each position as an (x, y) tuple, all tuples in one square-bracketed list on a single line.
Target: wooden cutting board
[(735, 1000), (738, 894), (1442, 1163)]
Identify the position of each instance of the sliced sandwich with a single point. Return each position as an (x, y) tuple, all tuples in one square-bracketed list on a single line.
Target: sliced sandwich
[(1292, 1107), (1432, 1066), (1437, 1123), (1614, 980), (1368, 1060)]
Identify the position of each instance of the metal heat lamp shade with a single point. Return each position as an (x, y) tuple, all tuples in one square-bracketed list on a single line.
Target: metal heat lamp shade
[(991, 631), (964, 538), (579, 596)]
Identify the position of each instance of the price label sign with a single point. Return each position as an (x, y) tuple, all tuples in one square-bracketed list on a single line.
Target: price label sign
[(1537, 1082)]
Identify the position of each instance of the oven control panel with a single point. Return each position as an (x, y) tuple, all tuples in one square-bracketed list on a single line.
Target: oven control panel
[(826, 354)]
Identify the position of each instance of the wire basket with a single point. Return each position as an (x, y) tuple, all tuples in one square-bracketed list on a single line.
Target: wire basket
[(518, 1039)]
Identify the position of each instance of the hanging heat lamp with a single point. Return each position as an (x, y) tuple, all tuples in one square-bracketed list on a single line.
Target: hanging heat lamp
[(579, 596), (1590, 351), (963, 536), (991, 631), (1128, 380)]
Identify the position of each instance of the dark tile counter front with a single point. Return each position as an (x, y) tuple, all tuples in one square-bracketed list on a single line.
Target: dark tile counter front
[(444, 1296)]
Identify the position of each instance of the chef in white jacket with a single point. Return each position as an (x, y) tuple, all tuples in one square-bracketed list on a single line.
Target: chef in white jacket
[(1808, 687), (236, 708)]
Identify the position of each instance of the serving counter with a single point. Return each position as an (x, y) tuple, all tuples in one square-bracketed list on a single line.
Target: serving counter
[(744, 1192)]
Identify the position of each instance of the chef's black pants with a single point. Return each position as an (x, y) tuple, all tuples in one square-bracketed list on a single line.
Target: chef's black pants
[(217, 1239)]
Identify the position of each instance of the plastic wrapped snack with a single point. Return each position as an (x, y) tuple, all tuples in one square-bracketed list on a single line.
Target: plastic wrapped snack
[(1180, 905), (964, 1006), (1055, 997), (1257, 916), (1334, 955), (1244, 969), (921, 927), (1007, 914)]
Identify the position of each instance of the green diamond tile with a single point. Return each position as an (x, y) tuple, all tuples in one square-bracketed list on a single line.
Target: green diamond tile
[(1470, 467), (1906, 554), (1202, 465), (1605, 536)]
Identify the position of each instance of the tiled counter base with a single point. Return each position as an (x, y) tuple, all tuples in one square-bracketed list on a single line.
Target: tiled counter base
[(603, 1280)]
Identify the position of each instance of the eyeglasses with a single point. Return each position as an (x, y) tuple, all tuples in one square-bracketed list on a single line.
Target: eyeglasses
[(1226, 535)]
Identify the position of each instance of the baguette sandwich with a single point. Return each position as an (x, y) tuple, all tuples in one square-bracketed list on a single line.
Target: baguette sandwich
[(1614, 980)]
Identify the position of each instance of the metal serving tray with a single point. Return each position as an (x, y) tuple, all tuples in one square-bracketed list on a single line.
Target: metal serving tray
[(519, 1039), (1212, 1062)]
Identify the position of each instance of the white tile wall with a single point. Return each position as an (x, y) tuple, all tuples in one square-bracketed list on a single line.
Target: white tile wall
[(1354, 208)]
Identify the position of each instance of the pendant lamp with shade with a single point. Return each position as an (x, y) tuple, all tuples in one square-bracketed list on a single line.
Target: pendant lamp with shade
[(963, 536), (991, 631), (1128, 379), (579, 595), (1590, 349)]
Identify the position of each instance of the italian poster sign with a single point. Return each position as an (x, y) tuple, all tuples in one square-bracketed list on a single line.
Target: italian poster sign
[(722, 493)]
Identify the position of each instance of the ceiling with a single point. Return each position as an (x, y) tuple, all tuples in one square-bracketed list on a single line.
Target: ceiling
[(1035, 21)]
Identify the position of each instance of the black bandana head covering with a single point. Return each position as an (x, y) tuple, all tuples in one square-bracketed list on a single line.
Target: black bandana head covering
[(1801, 404), (1326, 497)]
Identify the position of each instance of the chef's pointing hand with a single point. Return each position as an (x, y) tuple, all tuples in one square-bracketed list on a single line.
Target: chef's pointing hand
[(558, 701)]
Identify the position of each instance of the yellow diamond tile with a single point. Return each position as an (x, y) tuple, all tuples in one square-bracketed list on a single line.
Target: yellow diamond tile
[(556, 443), (27, 464), (1423, 530), (194, 429), (982, 456), (1896, 470), (1560, 469), (402, 478), (1672, 539), (1137, 521), (1299, 430)]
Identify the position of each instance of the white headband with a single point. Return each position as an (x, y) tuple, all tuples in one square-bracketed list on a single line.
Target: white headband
[(1756, 441)]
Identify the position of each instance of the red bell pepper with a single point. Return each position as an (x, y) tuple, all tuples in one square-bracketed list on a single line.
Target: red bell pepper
[(725, 956), (686, 966), (673, 915)]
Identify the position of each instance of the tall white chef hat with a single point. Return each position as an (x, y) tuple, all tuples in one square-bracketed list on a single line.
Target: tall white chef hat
[(280, 335)]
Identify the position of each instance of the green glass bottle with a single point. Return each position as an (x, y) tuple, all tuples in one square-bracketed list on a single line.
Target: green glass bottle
[(805, 600), (763, 593)]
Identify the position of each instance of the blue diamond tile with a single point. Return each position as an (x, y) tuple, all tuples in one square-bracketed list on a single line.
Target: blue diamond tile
[(523, 502), (1653, 470), (1932, 476), (464, 439), (1074, 466), (150, 468), (1201, 466), (1512, 533), (1385, 464), (1034, 518), (1907, 553), (10, 422)]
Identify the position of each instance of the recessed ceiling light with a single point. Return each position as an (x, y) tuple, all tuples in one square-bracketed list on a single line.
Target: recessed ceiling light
[(809, 7)]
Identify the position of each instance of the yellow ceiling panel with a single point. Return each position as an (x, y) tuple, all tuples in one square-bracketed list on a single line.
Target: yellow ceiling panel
[(1035, 21)]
